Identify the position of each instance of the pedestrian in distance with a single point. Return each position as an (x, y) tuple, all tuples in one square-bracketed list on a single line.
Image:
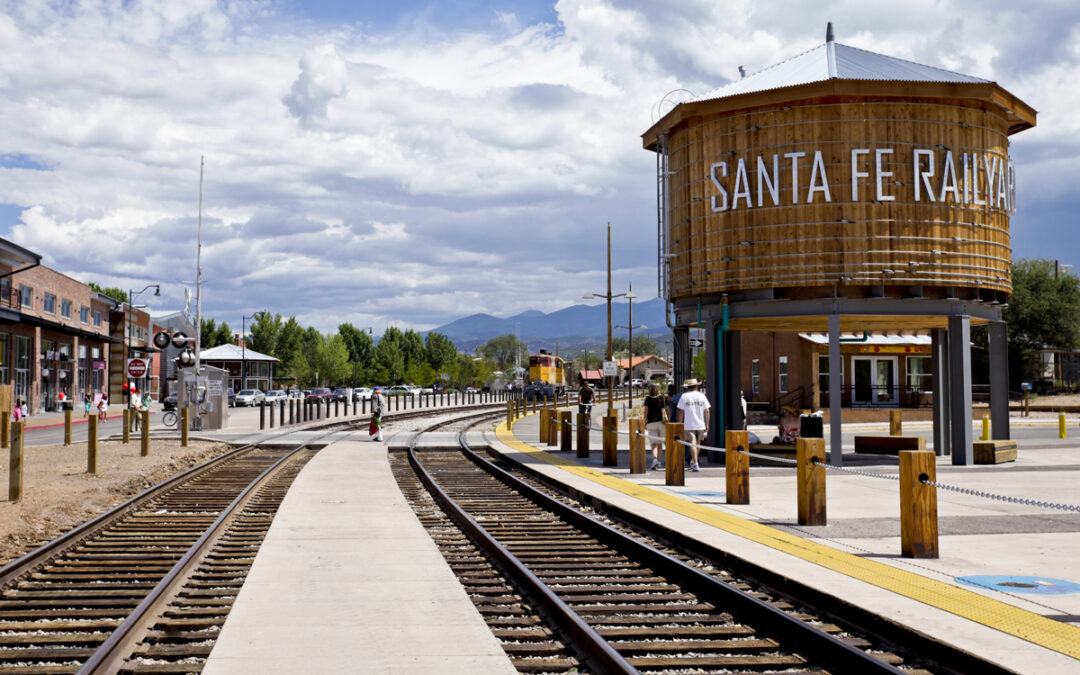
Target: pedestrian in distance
[(656, 414), (17, 410), (135, 405), (103, 407), (694, 415), (378, 403), (585, 398), (87, 400)]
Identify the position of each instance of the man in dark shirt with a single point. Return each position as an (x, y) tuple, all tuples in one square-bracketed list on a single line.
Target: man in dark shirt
[(585, 398)]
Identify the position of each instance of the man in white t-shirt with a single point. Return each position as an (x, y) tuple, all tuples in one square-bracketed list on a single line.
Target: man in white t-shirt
[(694, 415)]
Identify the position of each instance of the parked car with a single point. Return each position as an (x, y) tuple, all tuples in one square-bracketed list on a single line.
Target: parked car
[(297, 394), (471, 390), (362, 394), (248, 397), (232, 398), (402, 390), (343, 394), (427, 390), (276, 395), (319, 392), (637, 384)]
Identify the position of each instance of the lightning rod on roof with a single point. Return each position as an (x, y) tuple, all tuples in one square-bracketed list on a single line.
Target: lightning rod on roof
[(828, 32)]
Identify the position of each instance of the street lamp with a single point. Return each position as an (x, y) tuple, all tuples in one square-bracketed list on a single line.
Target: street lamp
[(608, 296), (629, 295), (127, 332), (243, 350)]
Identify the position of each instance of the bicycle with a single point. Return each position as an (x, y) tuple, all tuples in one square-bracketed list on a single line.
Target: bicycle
[(168, 418)]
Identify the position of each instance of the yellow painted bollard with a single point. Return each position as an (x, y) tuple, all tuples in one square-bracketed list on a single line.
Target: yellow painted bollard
[(737, 467), (544, 412), (145, 449), (637, 445), (67, 427), (15, 472), (567, 431), (811, 480), (611, 439), (127, 425), (91, 444), (673, 461), (985, 428), (1061, 425), (896, 426), (918, 504), (583, 420), (183, 427)]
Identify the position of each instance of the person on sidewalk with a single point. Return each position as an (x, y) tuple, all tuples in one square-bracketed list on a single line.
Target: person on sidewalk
[(378, 403), (656, 414), (694, 415), (103, 407), (17, 410), (585, 398), (86, 404), (135, 405)]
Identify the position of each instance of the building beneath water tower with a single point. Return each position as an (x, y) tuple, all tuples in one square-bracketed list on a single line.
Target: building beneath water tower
[(839, 196)]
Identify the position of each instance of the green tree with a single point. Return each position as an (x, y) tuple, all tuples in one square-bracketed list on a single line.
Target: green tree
[(699, 366), (289, 349), (504, 350), (412, 348), (212, 335), (440, 351), (118, 294), (1043, 312), (389, 358), (361, 351), (265, 328)]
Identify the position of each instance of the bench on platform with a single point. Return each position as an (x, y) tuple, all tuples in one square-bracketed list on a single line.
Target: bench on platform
[(888, 445), (994, 452)]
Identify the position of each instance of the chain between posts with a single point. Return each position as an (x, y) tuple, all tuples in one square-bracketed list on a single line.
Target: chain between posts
[(1003, 498)]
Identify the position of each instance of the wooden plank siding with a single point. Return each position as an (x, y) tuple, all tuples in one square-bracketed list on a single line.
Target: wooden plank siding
[(844, 242)]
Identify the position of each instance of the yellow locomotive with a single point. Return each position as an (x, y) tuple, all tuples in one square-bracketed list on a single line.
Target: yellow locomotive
[(548, 369)]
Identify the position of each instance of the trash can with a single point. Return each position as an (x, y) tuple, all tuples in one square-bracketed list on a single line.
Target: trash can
[(811, 426)]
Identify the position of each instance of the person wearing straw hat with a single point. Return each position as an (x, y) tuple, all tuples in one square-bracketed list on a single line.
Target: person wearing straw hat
[(694, 415)]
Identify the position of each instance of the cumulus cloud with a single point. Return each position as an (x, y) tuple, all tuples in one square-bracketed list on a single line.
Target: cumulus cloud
[(470, 170)]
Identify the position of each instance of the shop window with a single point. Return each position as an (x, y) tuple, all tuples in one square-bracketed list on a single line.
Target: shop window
[(823, 373), (781, 372), (755, 376), (26, 296), (48, 303), (919, 375), (65, 309), (84, 314), (97, 318)]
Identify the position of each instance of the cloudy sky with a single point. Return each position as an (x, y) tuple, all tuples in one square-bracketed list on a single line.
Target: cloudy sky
[(412, 162)]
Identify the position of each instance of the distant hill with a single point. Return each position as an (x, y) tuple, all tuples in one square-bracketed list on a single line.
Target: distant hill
[(574, 327)]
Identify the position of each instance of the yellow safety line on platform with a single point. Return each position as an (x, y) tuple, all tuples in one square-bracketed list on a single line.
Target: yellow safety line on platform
[(1055, 635)]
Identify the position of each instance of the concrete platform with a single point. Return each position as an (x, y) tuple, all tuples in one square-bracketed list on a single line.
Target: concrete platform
[(1025, 615), (348, 581)]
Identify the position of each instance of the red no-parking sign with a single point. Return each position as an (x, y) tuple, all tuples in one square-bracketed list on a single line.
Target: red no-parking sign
[(136, 368)]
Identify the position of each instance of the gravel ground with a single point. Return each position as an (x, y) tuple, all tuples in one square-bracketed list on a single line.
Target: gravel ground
[(58, 493)]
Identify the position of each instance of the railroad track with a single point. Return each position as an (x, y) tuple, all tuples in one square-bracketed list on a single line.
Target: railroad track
[(566, 592)]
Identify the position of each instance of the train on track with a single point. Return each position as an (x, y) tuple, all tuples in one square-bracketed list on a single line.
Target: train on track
[(547, 375)]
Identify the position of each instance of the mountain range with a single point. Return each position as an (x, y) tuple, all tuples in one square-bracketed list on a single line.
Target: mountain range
[(574, 328)]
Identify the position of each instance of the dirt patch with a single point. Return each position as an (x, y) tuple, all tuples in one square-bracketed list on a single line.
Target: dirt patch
[(58, 493)]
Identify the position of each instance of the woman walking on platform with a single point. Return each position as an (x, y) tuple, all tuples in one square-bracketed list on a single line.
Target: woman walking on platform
[(377, 404), (656, 414)]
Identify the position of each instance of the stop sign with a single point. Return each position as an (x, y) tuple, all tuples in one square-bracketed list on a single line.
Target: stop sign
[(136, 368)]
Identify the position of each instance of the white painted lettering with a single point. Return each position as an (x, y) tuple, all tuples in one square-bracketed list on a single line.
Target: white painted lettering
[(819, 182), (855, 173), (922, 178), (719, 206), (742, 186), (1002, 191), (882, 175), (765, 181), (964, 176), (975, 181), (794, 157), (990, 162), (948, 179)]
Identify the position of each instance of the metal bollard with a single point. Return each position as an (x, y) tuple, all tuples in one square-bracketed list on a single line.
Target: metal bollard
[(985, 428), (127, 424), (811, 480), (271, 415), (15, 461), (262, 415), (183, 427), (918, 504), (567, 428), (896, 427), (737, 467), (637, 445), (144, 450), (67, 427), (91, 444), (583, 420), (337, 411), (281, 413), (611, 439), (673, 460)]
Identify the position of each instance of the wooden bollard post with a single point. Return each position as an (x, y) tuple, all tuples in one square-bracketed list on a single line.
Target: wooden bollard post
[(509, 414), (583, 420), (918, 504), (611, 439), (534, 404), (184, 426), (737, 467), (566, 427), (5, 428), (15, 470), (544, 427), (67, 427), (144, 450), (896, 426), (637, 445), (553, 428), (811, 480), (127, 425), (91, 444), (673, 464)]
